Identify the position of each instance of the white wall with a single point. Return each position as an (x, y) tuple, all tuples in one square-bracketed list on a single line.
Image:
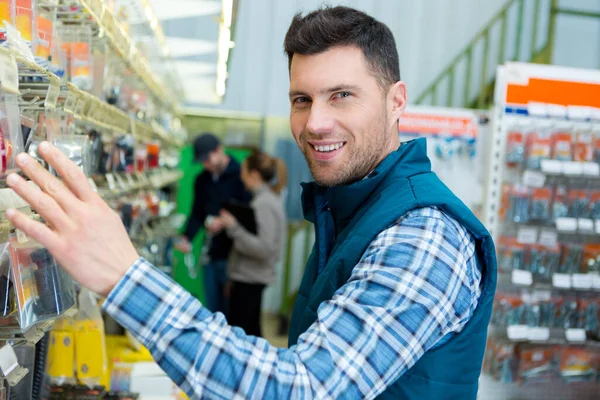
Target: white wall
[(428, 34)]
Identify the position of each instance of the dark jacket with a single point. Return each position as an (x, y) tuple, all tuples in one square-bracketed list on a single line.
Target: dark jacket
[(209, 196), (360, 211)]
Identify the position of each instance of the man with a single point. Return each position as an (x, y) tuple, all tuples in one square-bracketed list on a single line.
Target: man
[(218, 183), (397, 293)]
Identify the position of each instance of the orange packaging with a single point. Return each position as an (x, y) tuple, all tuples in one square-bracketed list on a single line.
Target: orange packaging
[(515, 148), (583, 148), (591, 258), (153, 151), (80, 59), (44, 38), (4, 16), (539, 146), (562, 146), (24, 18), (535, 358), (578, 361)]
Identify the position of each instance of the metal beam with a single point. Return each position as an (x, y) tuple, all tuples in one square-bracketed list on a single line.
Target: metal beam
[(577, 13)]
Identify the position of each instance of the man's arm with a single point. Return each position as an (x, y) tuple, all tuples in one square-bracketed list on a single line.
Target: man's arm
[(198, 215), (417, 283)]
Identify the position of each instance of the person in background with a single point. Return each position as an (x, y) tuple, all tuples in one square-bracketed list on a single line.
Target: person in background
[(252, 262), (218, 183)]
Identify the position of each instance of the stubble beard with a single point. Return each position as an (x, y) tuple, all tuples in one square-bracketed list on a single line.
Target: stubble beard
[(358, 162)]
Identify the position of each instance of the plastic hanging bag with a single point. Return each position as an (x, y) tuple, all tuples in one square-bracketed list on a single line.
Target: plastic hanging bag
[(11, 138), (8, 306), (61, 353), (77, 148), (26, 356), (90, 347), (43, 290)]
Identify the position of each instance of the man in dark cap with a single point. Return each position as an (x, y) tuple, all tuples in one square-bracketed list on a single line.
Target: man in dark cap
[(218, 183)]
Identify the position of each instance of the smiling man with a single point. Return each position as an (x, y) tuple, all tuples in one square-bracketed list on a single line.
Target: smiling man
[(397, 293)]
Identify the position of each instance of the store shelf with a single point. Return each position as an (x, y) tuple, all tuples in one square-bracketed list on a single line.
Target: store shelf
[(542, 335), (50, 92), (579, 283), (119, 185), (126, 49)]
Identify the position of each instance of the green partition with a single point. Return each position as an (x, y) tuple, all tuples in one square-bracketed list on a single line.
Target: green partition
[(193, 282)]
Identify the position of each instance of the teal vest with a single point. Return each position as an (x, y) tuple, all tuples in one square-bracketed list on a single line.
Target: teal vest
[(403, 181)]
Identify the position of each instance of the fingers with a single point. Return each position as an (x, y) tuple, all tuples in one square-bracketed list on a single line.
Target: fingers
[(46, 181), (70, 173), (36, 230), (43, 203)]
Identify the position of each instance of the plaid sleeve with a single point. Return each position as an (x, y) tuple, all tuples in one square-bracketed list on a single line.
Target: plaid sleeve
[(415, 286)]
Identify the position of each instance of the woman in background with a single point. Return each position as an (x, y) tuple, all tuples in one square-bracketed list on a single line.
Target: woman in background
[(254, 255)]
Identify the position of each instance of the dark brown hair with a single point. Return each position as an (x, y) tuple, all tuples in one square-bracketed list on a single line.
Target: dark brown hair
[(329, 27), (272, 170)]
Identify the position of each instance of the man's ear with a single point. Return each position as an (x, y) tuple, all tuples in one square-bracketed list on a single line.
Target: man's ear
[(397, 99)]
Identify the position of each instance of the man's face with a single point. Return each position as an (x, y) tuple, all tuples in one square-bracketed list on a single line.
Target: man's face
[(341, 118), (213, 163)]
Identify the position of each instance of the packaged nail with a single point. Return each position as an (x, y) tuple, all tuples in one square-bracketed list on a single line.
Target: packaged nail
[(77, 148), (562, 146), (539, 146)]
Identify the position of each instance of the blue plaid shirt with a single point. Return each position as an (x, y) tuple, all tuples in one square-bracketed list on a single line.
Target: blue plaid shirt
[(416, 286)]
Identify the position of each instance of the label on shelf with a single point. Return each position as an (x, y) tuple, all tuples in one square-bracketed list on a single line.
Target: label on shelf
[(575, 335), (535, 179), (582, 281), (518, 332), (556, 111), (548, 238), (537, 109), (538, 334), (591, 169), (541, 295), (52, 95), (70, 103), (566, 224), (572, 168), (112, 184), (596, 281), (9, 74), (520, 277), (597, 223), (79, 107), (578, 112), (595, 113), (585, 225), (552, 166), (561, 281), (527, 235)]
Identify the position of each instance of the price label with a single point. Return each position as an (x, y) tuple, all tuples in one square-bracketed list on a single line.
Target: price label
[(537, 109), (582, 281), (541, 295), (79, 107), (527, 235), (557, 111), (596, 281), (534, 179), (595, 113), (518, 332), (585, 225), (70, 103), (548, 238), (562, 281), (578, 112), (572, 168), (591, 169), (566, 224), (520, 277), (52, 95), (552, 166), (93, 184), (575, 335), (110, 178), (9, 74), (538, 334)]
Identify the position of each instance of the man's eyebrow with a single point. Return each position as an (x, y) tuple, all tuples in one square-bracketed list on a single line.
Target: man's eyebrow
[(333, 89)]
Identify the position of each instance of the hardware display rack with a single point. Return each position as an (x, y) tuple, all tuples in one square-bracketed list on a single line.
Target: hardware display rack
[(543, 208)]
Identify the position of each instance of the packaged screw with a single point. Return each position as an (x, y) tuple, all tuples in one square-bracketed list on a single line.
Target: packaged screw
[(515, 149), (539, 146), (562, 146)]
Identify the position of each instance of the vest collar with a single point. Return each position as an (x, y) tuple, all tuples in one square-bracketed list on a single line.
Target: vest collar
[(344, 201)]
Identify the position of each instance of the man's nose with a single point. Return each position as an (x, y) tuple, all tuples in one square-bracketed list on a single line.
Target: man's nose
[(321, 119)]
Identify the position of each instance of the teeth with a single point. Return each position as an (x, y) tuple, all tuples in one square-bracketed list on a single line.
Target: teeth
[(327, 148)]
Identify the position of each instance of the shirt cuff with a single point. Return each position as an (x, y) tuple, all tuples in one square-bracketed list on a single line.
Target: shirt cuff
[(144, 299)]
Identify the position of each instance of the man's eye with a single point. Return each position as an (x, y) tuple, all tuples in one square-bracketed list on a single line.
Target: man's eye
[(343, 95), (300, 100)]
